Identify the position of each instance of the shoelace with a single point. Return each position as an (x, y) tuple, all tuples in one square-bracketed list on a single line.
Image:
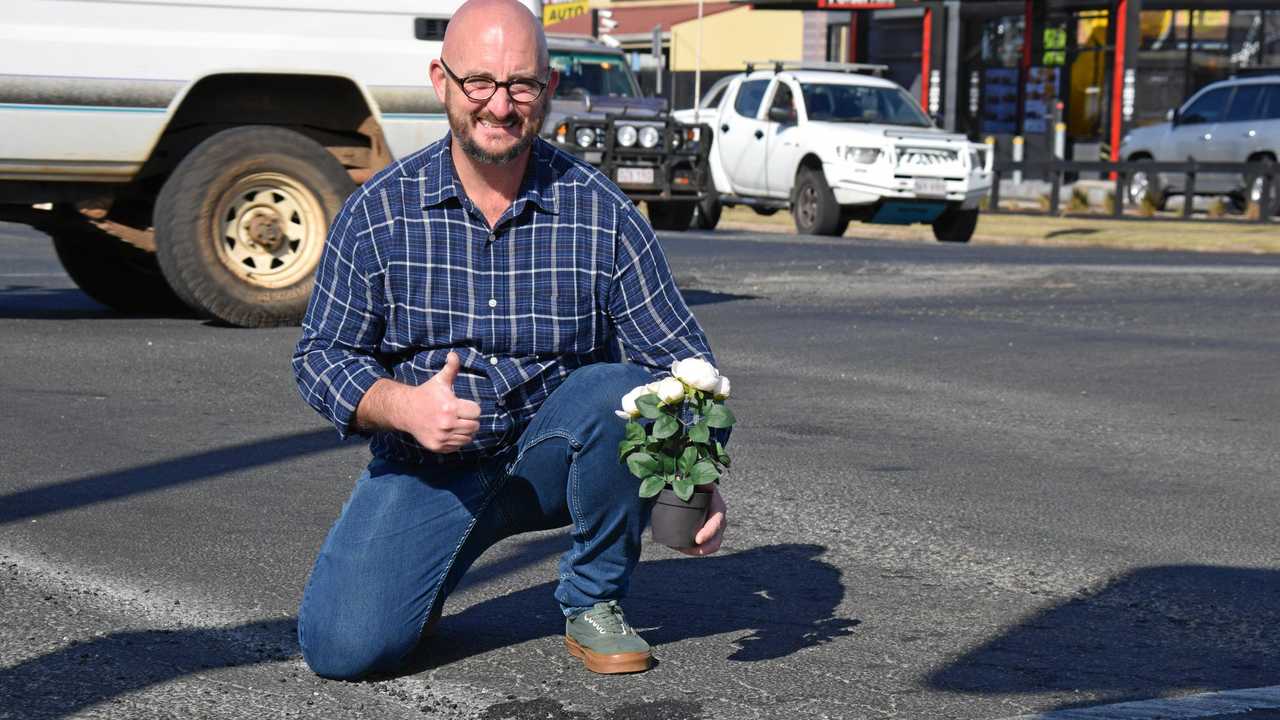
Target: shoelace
[(607, 618)]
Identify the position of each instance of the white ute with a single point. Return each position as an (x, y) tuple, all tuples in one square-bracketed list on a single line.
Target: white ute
[(195, 151), (833, 143)]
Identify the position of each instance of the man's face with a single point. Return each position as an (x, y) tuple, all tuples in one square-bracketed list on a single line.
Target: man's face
[(496, 131)]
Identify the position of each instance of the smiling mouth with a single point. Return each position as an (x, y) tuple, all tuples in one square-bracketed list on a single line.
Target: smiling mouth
[(496, 125)]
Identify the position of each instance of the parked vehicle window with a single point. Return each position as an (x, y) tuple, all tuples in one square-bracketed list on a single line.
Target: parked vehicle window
[(1207, 108), (782, 100), (1244, 104), (861, 104), (1269, 108), (712, 99), (596, 75), (750, 95)]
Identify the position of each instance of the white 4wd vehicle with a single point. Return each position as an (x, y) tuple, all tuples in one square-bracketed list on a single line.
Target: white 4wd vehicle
[(195, 151), (834, 144)]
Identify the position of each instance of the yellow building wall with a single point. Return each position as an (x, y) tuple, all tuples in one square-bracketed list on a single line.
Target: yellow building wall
[(733, 37)]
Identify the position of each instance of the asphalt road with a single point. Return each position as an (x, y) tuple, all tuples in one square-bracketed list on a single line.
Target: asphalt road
[(969, 482)]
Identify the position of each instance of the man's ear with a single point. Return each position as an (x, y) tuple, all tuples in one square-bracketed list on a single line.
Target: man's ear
[(438, 78), (552, 81)]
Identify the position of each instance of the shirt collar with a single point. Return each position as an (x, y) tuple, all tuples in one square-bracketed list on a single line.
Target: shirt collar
[(539, 186)]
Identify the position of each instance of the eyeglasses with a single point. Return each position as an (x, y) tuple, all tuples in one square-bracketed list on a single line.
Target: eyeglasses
[(481, 87)]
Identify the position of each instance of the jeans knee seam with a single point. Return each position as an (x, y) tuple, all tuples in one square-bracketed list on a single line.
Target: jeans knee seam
[(563, 434)]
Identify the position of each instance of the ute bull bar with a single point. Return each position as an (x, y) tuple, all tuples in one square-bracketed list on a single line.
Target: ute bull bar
[(676, 168)]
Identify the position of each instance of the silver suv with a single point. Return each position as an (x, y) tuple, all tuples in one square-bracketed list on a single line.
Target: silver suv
[(1229, 121)]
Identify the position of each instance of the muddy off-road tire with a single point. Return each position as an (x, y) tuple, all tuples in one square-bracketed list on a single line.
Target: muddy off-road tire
[(241, 223), (670, 215), (814, 207), (955, 226), (110, 270)]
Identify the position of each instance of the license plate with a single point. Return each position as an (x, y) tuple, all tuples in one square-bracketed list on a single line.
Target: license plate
[(635, 176), (930, 186)]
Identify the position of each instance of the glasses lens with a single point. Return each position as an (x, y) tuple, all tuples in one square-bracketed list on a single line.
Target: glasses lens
[(478, 88), (524, 91)]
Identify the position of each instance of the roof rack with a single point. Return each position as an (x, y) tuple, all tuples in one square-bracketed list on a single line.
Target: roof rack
[(860, 68)]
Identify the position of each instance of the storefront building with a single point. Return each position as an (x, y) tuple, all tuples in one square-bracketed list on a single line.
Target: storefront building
[(1005, 68)]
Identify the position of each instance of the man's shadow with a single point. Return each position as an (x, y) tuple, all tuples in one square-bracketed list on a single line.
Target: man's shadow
[(780, 598), (1148, 633)]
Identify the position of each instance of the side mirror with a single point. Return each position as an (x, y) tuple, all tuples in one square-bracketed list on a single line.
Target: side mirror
[(1172, 116), (781, 115)]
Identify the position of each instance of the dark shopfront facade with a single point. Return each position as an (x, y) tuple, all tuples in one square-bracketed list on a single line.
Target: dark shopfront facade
[(1001, 68)]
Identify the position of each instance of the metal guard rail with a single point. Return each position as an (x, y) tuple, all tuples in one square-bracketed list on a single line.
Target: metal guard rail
[(1268, 170)]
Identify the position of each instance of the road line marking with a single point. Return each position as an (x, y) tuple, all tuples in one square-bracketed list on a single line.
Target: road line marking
[(1192, 706)]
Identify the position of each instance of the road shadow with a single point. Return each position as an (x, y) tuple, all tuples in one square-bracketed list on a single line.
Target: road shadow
[(34, 302), (1149, 633), (694, 297), (80, 675), (780, 599), (93, 489)]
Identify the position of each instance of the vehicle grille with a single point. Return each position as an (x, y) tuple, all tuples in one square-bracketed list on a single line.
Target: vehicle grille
[(909, 157)]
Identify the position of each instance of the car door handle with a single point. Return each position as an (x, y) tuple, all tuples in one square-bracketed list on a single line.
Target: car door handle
[(1207, 136), (1251, 133), (724, 127), (759, 134)]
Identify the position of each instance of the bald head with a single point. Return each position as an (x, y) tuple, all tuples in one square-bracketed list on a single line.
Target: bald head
[(488, 30)]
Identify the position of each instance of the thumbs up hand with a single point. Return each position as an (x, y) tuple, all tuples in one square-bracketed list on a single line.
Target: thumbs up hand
[(438, 419)]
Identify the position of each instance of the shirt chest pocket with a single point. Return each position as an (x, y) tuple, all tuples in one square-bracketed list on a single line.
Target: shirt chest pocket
[(562, 321)]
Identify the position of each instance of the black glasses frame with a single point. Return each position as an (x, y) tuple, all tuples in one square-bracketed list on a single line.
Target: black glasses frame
[(462, 84)]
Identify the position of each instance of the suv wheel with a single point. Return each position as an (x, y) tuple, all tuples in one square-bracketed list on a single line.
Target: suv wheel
[(955, 226), (241, 223), (706, 214), (1144, 185), (814, 208)]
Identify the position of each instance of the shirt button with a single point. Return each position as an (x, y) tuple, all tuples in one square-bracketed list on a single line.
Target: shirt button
[(492, 237), (493, 303), (493, 361)]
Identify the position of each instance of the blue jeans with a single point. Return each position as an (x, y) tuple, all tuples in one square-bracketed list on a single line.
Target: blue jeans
[(409, 532)]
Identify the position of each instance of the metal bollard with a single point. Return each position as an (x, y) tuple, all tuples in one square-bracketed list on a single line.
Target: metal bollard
[(1017, 159), (1060, 141)]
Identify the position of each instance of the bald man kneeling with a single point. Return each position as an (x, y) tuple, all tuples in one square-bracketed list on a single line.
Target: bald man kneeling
[(467, 317)]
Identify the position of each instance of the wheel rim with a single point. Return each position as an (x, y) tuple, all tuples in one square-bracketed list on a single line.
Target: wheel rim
[(270, 230), (1139, 187), (1255, 190), (807, 205)]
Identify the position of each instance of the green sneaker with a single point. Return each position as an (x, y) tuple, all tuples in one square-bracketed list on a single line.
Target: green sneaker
[(605, 642)]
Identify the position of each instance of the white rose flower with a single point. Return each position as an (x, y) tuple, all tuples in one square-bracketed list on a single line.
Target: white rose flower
[(653, 386), (629, 410), (670, 391), (722, 388), (696, 373)]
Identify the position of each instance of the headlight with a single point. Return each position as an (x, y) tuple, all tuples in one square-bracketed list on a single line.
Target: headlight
[(586, 137), (626, 135), (864, 155), (649, 136)]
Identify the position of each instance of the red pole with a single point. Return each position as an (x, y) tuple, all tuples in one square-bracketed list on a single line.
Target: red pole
[(1117, 77), (853, 36), (1028, 17), (926, 50)]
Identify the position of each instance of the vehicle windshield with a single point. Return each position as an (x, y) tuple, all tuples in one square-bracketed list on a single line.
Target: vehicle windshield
[(596, 75), (862, 104)]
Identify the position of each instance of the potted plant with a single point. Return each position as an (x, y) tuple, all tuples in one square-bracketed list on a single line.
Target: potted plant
[(669, 446)]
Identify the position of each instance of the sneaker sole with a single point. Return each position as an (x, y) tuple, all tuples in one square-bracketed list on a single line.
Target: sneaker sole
[(609, 664)]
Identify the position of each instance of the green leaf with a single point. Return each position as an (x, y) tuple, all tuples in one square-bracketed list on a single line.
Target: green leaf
[(699, 432), (688, 459), (665, 427), (635, 432), (642, 464), (668, 464), (703, 473), (651, 486), (720, 417), (683, 489), (721, 455), (648, 405)]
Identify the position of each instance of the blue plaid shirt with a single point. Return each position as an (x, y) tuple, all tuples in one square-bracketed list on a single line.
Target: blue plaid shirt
[(570, 275)]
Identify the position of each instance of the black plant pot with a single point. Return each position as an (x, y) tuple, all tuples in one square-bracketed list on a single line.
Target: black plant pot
[(674, 522)]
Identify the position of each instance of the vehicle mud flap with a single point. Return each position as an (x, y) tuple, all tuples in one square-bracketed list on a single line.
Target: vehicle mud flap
[(907, 213)]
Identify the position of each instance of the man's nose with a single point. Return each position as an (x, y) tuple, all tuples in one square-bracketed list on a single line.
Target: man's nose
[(500, 104)]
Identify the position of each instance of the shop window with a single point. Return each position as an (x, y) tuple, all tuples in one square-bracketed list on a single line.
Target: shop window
[(1002, 41)]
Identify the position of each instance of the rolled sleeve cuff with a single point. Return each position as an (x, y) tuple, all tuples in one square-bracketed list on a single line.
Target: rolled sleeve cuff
[(349, 389)]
